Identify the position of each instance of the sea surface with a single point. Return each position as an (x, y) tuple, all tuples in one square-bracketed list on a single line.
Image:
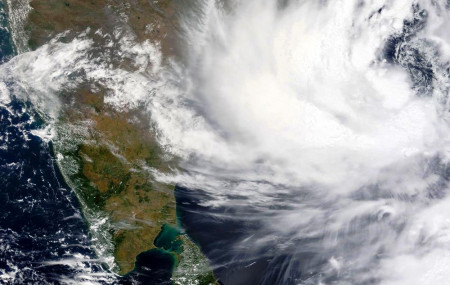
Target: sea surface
[(219, 230), (275, 234), (44, 238)]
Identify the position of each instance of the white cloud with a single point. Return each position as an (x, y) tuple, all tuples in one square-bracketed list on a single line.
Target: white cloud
[(294, 101), (298, 100)]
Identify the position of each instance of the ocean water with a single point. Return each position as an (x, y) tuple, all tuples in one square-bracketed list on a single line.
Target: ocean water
[(219, 230), (43, 234), (314, 138), (316, 131), (44, 238)]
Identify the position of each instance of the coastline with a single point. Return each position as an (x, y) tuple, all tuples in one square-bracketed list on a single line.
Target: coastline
[(17, 22), (99, 223)]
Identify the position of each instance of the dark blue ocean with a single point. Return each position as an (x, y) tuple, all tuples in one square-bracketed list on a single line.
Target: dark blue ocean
[(44, 238)]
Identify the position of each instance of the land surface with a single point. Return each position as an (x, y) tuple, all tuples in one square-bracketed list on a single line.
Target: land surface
[(103, 152)]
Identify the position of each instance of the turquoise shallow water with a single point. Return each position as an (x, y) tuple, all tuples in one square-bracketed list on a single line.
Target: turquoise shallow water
[(156, 265), (167, 239)]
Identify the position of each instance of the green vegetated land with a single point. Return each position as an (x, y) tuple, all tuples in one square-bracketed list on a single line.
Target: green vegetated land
[(103, 152)]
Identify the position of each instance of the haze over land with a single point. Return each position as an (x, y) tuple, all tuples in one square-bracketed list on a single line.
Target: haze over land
[(324, 124)]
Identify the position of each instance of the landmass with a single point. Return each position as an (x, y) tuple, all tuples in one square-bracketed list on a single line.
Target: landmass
[(104, 153)]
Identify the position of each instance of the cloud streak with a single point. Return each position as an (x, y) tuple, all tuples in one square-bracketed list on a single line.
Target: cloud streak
[(322, 123), (301, 99)]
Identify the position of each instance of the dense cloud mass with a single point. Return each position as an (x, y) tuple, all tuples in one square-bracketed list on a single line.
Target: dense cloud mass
[(341, 108), (326, 121)]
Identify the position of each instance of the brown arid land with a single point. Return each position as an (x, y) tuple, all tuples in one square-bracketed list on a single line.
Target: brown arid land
[(104, 152)]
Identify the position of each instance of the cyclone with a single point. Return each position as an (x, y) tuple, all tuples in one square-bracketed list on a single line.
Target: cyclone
[(322, 126), (307, 141)]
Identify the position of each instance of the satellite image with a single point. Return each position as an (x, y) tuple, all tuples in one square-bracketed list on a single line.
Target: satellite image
[(225, 142)]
